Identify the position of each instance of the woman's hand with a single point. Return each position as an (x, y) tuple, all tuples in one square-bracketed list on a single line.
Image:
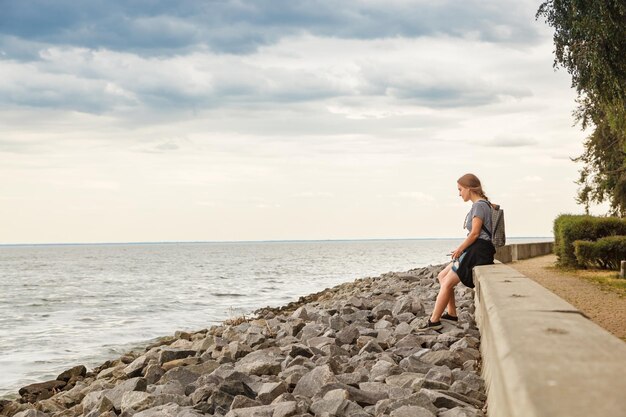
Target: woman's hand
[(457, 253)]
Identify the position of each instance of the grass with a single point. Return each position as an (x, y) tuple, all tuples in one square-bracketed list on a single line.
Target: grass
[(607, 280)]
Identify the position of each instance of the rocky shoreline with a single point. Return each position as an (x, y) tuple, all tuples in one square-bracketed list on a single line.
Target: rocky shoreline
[(349, 351)]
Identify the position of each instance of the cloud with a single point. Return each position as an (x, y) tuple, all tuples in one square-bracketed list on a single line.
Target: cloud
[(507, 142), (532, 178), (163, 27), (416, 195)]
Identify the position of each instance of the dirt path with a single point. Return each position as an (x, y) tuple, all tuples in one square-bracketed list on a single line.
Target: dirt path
[(606, 309)]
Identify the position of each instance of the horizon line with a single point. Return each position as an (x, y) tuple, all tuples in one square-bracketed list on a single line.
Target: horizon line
[(174, 242)]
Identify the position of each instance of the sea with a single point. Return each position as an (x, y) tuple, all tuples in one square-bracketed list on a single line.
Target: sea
[(65, 305)]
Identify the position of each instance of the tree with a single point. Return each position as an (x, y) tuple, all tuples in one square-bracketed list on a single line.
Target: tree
[(590, 43)]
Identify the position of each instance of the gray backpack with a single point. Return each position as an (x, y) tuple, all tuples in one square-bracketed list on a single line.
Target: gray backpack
[(497, 234)]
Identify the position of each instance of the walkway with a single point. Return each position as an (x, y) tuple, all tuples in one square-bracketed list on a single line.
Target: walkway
[(606, 309)]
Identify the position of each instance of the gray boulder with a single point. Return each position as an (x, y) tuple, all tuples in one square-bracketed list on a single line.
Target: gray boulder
[(138, 401), (462, 412), (169, 410), (286, 409), (170, 354), (412, 411), (115, 394), (270, 390), (261, 362), (31, 413), (311, 383), (181, 374), (442, 400)]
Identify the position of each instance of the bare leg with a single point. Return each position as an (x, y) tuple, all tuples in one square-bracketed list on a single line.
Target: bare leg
[(446, 292), (441, 277)]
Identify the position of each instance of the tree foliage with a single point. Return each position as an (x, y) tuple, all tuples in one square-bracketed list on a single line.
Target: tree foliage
[(590, 43)]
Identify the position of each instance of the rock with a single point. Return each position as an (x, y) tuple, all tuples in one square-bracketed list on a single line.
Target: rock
[(50, 406), (285, 397), (359, 316), (403, 329), (320, 341), (170, 354), (261, 362), (135, 400), (135, 367), (415, 365), (412, 411), (286, 409), (300, 313), (180, 374), (40, 391), (403, 380), (430, 384), (204, 367), (357, 395), (293, 374), (91, 400), (73, 373), (440, 374), (311, 383), (116, 372), (203, 392), (403, 305), (336, 394), (464, 398), (353, 378), (299, 349), (405, 318), (180, 362), (391, 391), (462, 412), (348, 335), (384, 308), (311, 330), (417, 399), (139, 401), (241, 401), (382, 369), (169, 410), (153, 373), (31, 413), (270, 390), (115, 394), (171, 387), (372, 347), (442, 358), (336, 405), (237, 350), (441, 400), (383, 324), (463, 388)]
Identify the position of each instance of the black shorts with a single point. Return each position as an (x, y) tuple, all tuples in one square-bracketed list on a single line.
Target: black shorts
[(480, 252)]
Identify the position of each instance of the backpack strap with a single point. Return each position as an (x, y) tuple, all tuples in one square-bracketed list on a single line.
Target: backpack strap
[(483, 225)]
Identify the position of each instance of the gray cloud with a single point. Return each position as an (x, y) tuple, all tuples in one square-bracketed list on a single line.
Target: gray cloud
[(162, 27)]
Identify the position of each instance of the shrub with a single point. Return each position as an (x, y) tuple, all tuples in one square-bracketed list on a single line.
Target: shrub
[(570, 228), (605, 253)]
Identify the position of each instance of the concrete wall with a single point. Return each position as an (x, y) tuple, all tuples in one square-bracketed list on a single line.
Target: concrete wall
[(541, 356), (519, 251)]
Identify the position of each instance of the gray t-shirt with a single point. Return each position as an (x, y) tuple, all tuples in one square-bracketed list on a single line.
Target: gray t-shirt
[(482, 210)]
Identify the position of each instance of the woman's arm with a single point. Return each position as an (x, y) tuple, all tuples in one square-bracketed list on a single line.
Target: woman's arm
[(477, 225)]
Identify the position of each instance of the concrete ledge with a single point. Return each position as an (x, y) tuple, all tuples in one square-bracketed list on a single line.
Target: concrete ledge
[(519, 251), (541, 356)]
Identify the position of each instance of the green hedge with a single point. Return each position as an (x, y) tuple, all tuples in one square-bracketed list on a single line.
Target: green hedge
[(569, 228), (606, 252)]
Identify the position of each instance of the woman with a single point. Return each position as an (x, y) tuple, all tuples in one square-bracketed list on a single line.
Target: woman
[(476, 249)]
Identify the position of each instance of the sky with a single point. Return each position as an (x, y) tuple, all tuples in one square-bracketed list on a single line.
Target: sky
[(225, 120)]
